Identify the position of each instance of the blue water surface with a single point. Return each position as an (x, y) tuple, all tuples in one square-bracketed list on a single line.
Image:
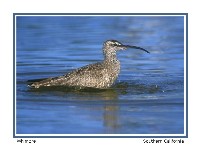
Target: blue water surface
[(147, 98)]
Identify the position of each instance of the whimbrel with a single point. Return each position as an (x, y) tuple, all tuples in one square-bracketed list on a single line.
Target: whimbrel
[(98, 75)]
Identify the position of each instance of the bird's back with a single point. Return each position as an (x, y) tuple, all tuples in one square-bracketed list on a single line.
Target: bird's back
[(98, 75)]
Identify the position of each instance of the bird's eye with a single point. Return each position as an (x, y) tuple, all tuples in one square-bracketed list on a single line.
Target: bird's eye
[(116, 44)]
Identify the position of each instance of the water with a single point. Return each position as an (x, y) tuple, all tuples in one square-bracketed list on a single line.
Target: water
[(147, 98)]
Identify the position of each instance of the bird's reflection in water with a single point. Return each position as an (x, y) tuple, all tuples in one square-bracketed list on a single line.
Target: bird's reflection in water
[(99, 105), (110, 118), (110, 109), (91, 99)]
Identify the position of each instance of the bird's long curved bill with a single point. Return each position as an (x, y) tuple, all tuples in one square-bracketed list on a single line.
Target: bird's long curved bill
[(136, 47)]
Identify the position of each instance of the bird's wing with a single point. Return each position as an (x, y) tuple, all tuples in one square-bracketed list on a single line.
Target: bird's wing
[(71, 77)]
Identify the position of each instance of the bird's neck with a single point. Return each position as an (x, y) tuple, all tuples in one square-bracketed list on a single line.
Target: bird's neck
[(112, 64), (110, 57)]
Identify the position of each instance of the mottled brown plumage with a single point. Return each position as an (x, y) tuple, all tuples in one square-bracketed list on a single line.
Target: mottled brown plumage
[(99, 75)]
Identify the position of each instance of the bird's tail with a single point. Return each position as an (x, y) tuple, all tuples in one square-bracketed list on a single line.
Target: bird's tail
[(36, 83)]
